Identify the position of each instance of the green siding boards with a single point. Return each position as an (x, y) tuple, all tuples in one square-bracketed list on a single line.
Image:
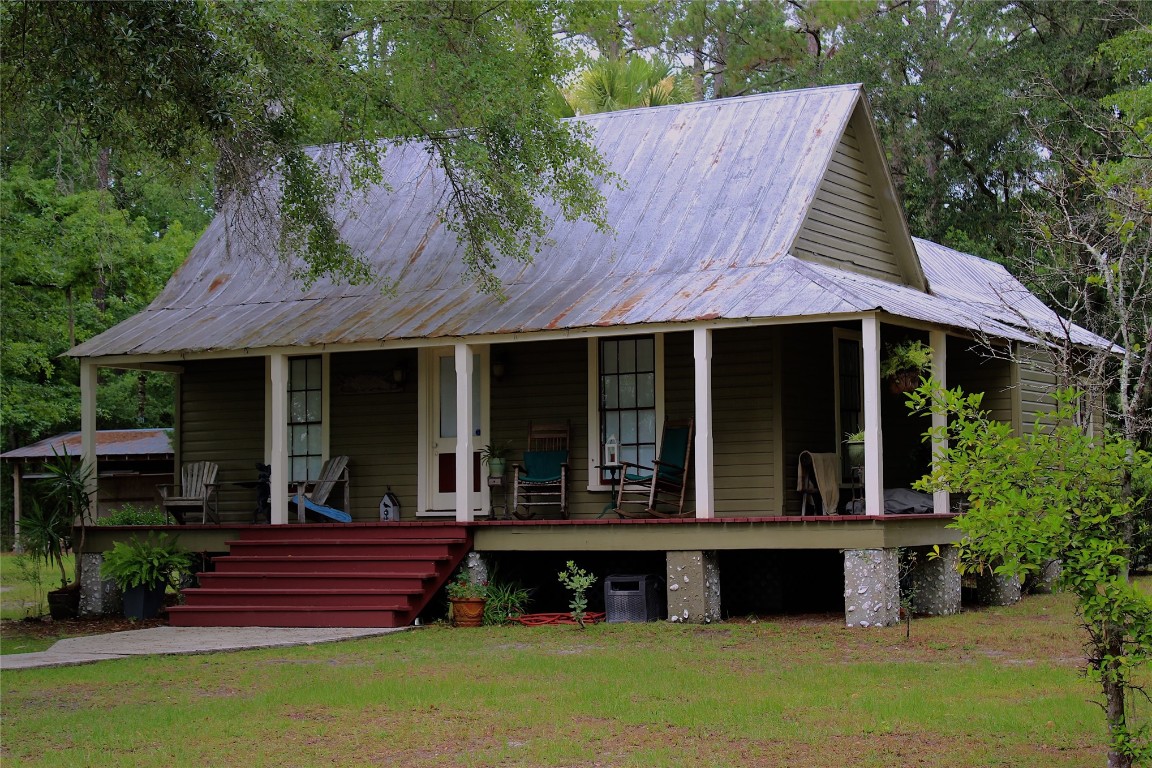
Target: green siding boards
[(222, 420), (1037, 374), (973, 370), (376, 428), (844, 227)]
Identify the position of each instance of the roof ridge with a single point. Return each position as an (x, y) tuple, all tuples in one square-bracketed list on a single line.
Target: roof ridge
[(703, 103)]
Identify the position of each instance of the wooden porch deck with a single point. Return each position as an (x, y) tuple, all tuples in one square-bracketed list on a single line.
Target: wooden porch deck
[(605, 534)]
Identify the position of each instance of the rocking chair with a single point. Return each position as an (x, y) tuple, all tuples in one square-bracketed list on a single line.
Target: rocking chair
[(642, 488), (542, 479), (313, 497)]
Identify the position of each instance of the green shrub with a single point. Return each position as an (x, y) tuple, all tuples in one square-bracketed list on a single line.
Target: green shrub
[(130, 514)]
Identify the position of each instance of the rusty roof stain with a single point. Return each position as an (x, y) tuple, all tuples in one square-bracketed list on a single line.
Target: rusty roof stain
[(714, 194), (110, 443)]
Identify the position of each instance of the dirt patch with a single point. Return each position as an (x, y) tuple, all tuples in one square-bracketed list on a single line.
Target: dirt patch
[(48, 629)]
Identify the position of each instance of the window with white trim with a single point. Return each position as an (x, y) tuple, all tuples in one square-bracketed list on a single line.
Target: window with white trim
[(629, 401), (305, 418)]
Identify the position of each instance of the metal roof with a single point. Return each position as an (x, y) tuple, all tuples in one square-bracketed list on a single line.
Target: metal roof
[(714, 194), (110, 443)]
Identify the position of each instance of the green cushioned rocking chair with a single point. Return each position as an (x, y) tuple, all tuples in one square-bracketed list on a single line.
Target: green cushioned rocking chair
[(659, 491), (541, 479)]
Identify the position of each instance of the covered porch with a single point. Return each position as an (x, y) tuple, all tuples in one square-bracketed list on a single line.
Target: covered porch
[(413, 419)]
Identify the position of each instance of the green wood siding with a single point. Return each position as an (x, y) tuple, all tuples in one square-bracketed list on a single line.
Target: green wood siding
[(1037, 375), (222, 420), (743, 385), (844, 227), (973, 370), (377, 429), (808, 397)]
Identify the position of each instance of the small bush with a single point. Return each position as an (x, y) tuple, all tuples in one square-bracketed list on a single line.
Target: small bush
[(129, 514)]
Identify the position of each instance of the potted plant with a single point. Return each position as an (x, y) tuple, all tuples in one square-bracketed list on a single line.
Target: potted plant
[(496, 457), (44, 534), (468, 599), (143, 569), (68, 506), (854, 443), (905, 364)]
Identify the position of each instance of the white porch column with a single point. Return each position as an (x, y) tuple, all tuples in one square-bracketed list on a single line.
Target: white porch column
[(938, 340), (88, 386), (276, 432), (463, 355), (705, 469), (873, 439)]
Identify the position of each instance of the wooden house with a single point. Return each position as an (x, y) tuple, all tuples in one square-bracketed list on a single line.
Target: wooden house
[(760, 266)]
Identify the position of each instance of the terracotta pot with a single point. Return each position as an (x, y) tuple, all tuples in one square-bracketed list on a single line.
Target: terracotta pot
[(467, 611)]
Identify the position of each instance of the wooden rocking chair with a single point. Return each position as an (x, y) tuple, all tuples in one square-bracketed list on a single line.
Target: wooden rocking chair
[(541, 480), (313, 497), (642, 488), (197, 490)]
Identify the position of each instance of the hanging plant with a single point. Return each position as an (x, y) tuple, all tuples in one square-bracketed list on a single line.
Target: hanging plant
[(905, 365)]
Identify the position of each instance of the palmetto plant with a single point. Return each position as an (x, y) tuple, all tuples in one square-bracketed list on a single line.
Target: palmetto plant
[(627, 83)]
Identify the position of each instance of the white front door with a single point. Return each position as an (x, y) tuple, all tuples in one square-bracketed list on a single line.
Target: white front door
[(443, 439)]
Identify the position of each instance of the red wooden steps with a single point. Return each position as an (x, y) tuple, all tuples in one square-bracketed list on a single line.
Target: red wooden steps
[(325, 576)]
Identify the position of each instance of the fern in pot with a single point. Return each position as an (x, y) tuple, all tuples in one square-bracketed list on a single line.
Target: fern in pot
[(143, 569)]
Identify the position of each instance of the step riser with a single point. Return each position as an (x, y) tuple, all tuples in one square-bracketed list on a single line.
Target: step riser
[(311, 581), (336, 601), (336, 618), (319, 548), (336, 565)]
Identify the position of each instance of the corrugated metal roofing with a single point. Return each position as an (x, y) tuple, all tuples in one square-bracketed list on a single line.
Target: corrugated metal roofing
[(715, 193), (127, 443)]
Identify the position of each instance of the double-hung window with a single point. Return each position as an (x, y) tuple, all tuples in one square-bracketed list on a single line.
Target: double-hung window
[(305, 417), (629, 385)]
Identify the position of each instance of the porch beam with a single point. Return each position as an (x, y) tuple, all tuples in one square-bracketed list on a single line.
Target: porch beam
[(89, 377), (873, 438), (705, 459), (277, 435), (463, 355), (938, 340)]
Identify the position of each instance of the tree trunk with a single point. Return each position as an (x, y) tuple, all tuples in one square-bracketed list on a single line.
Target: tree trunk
[(1115, 685)]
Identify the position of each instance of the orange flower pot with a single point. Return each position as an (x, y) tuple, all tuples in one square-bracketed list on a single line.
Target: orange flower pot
[(467, 611)]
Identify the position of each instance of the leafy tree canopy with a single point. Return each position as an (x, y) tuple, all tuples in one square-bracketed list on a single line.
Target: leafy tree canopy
[(246, 87)]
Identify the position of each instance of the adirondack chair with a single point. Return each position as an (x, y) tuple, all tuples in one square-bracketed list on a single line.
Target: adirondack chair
[(313, 497), (197, 490), (541, 480), (642, 489)]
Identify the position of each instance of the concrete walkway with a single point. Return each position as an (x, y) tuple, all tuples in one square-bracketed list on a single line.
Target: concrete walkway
[(177, 640)]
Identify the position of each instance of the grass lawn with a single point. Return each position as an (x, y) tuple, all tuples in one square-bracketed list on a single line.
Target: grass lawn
[(999, 687)]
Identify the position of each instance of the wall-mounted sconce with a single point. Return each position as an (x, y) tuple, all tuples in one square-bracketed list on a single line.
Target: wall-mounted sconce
[(398, 377), (498, 366)]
